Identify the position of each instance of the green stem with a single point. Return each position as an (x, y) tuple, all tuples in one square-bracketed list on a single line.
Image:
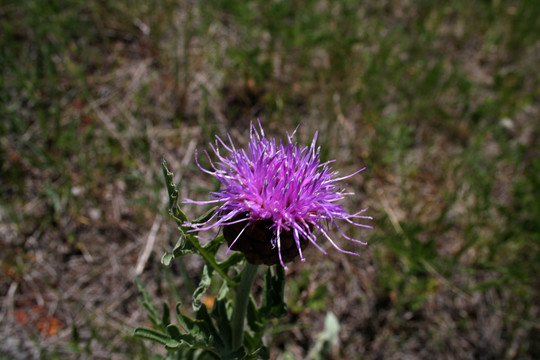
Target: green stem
[(243, 292)]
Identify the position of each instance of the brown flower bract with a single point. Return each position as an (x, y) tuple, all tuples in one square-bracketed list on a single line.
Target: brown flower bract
[(256, 243)]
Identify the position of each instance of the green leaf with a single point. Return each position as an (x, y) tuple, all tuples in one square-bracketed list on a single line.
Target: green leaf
[(231, 261), (174, 209), (181, 243), (219, 313), (223, 291), (318, 300), (153, 312), (181, 248), (260, 353), (326, 339), (204, 284), (153, 335), (237, 354), (205, 326), (184, 247), (201, 331), (205, 217), (274, 290), (252, 316), (172, 344), (166, 314), (331, 327), (174, 332), (185, 321), (169, 182), (167, 258)]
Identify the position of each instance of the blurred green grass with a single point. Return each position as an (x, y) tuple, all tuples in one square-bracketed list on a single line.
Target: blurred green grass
[(440, 101)]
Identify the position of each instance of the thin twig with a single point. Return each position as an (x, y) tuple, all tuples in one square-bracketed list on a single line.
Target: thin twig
[(150, 240), (9, 301)]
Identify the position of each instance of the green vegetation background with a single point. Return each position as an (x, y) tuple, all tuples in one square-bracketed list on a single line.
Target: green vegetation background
[(440, 100)]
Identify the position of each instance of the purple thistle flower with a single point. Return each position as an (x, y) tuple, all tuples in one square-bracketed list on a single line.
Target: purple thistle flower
[(273, 197)]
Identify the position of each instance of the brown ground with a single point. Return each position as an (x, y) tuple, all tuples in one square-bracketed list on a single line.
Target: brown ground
[(67, 287)]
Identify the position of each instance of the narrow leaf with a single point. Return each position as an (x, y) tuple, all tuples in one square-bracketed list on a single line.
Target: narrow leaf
[(205, 217), (219, 313), (167, 258), (252, 316), (212, 247), (152, 334), (206, 326), (204, 284), (184, 247), (326, 339), (232, 260), (274, 290), (185, 321), (174, 332), (153, 312), (172, 190), (166, 314)]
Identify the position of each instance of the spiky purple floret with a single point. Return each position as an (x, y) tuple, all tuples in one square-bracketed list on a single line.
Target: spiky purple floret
[(284, 183)]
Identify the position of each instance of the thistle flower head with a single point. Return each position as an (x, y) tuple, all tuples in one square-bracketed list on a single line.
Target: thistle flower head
[(274, 198)]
